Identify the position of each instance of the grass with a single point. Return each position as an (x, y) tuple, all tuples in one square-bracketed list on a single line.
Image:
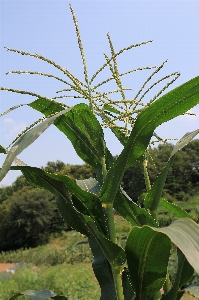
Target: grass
[(75, 281)]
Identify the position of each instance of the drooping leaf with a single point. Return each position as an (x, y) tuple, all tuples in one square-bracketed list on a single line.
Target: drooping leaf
[(85, 133), (187, 272), (184, 273), (147, 255), (90, 185), (24, 141), (184, 233), (153, 196), (83, 130), (80, 222), (85, 200), (174, 209), (45, 106), (169, 106), (130, 211), (129, 293), (103, 272)]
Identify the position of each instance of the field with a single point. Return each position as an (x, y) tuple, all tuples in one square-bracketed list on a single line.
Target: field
[(63, 265)]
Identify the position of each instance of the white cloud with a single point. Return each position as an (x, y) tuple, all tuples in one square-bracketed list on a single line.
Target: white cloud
[(12, 128)]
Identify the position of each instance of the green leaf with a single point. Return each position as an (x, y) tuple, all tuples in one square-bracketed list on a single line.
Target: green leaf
[(147, 255), (24, 141), (187, 272), (80, 222), (103, 272), (184, 273), (129, 293), (90, 185), (169, 106), (193, 289), (187, 138), (98, 213), (82, 129), (85, 200), (130, 211), (153, 196), (174, 209), (184, 233), (111, 109), (36, 295), (85, 133), (2, 150), (46, 107), (118, 133)]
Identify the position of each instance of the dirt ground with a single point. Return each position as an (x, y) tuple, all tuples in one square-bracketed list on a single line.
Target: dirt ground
[(4, 267)]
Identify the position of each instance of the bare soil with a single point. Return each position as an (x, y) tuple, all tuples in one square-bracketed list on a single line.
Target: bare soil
[(5, 266)]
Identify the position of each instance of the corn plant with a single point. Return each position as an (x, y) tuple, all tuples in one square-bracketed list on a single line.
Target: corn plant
[(140, 269)]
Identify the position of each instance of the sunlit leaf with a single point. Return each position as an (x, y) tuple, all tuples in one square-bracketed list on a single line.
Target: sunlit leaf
[(130, 211), (26, 140), (153, 196), (169, 106), (79, 221), (174, 209), (184, 233)]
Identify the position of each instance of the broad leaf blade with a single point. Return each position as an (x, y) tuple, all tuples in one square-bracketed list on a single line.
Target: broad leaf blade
[(130, 211), (129, 293), (85, 133), (90, 185), (184, 273), (153, 196), (147, 255), (103, 272), (169, 106), (46, 107), (82, 129), (80, 222), (184, 233), (85, 200), (174, 209), (99, 214), (24, 141), (2, 150)]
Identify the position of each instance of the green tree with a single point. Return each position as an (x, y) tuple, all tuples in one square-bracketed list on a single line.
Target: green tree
[(183, 176), (54, 167), (28, 218)]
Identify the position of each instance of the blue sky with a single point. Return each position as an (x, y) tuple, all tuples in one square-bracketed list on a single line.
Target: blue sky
[(46, 27)]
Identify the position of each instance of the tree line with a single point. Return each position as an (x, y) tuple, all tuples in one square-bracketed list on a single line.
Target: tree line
[(28, 215)]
